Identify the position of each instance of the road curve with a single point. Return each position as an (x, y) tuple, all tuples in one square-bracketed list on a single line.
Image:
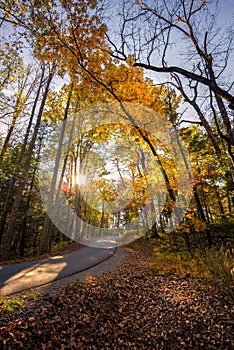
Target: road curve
[(18, 277)]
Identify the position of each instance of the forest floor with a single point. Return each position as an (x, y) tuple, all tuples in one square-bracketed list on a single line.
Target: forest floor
[(133, 307)]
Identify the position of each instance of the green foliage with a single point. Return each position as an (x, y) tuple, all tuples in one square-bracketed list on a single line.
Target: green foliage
[(32, 296), (57, 247), (11, 304)]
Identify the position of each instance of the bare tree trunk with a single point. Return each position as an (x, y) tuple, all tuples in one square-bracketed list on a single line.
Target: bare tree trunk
[(201, 116)]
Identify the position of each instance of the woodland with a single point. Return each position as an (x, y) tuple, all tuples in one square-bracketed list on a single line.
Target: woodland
[(64, 61)]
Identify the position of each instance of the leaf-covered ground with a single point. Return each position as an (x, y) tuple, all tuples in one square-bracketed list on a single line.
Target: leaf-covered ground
[(131, 308)]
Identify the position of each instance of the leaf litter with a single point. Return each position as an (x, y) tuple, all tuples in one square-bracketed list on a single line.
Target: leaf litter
[(131, 308)]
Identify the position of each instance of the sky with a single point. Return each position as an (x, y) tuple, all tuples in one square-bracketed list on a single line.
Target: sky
[(226, 10)]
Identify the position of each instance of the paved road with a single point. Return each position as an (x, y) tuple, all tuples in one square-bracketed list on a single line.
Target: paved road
[(21, 276)]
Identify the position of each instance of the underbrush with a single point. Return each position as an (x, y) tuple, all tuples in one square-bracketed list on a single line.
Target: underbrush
[(170, 256)]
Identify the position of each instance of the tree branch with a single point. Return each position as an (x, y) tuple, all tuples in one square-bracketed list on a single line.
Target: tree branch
[(174, 69)]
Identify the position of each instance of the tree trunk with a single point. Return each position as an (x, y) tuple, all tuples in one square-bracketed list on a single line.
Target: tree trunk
[(154, 231), (202, 215), (10, 192), (25, 219), (45, 235), (8, 236)]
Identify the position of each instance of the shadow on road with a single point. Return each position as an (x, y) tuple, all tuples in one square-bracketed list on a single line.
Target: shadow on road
[(20, 276)]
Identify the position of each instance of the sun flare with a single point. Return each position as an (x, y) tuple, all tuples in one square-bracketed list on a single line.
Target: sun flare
[(79, 179)]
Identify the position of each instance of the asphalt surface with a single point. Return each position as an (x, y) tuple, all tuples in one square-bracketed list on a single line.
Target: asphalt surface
[(17, 277)]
